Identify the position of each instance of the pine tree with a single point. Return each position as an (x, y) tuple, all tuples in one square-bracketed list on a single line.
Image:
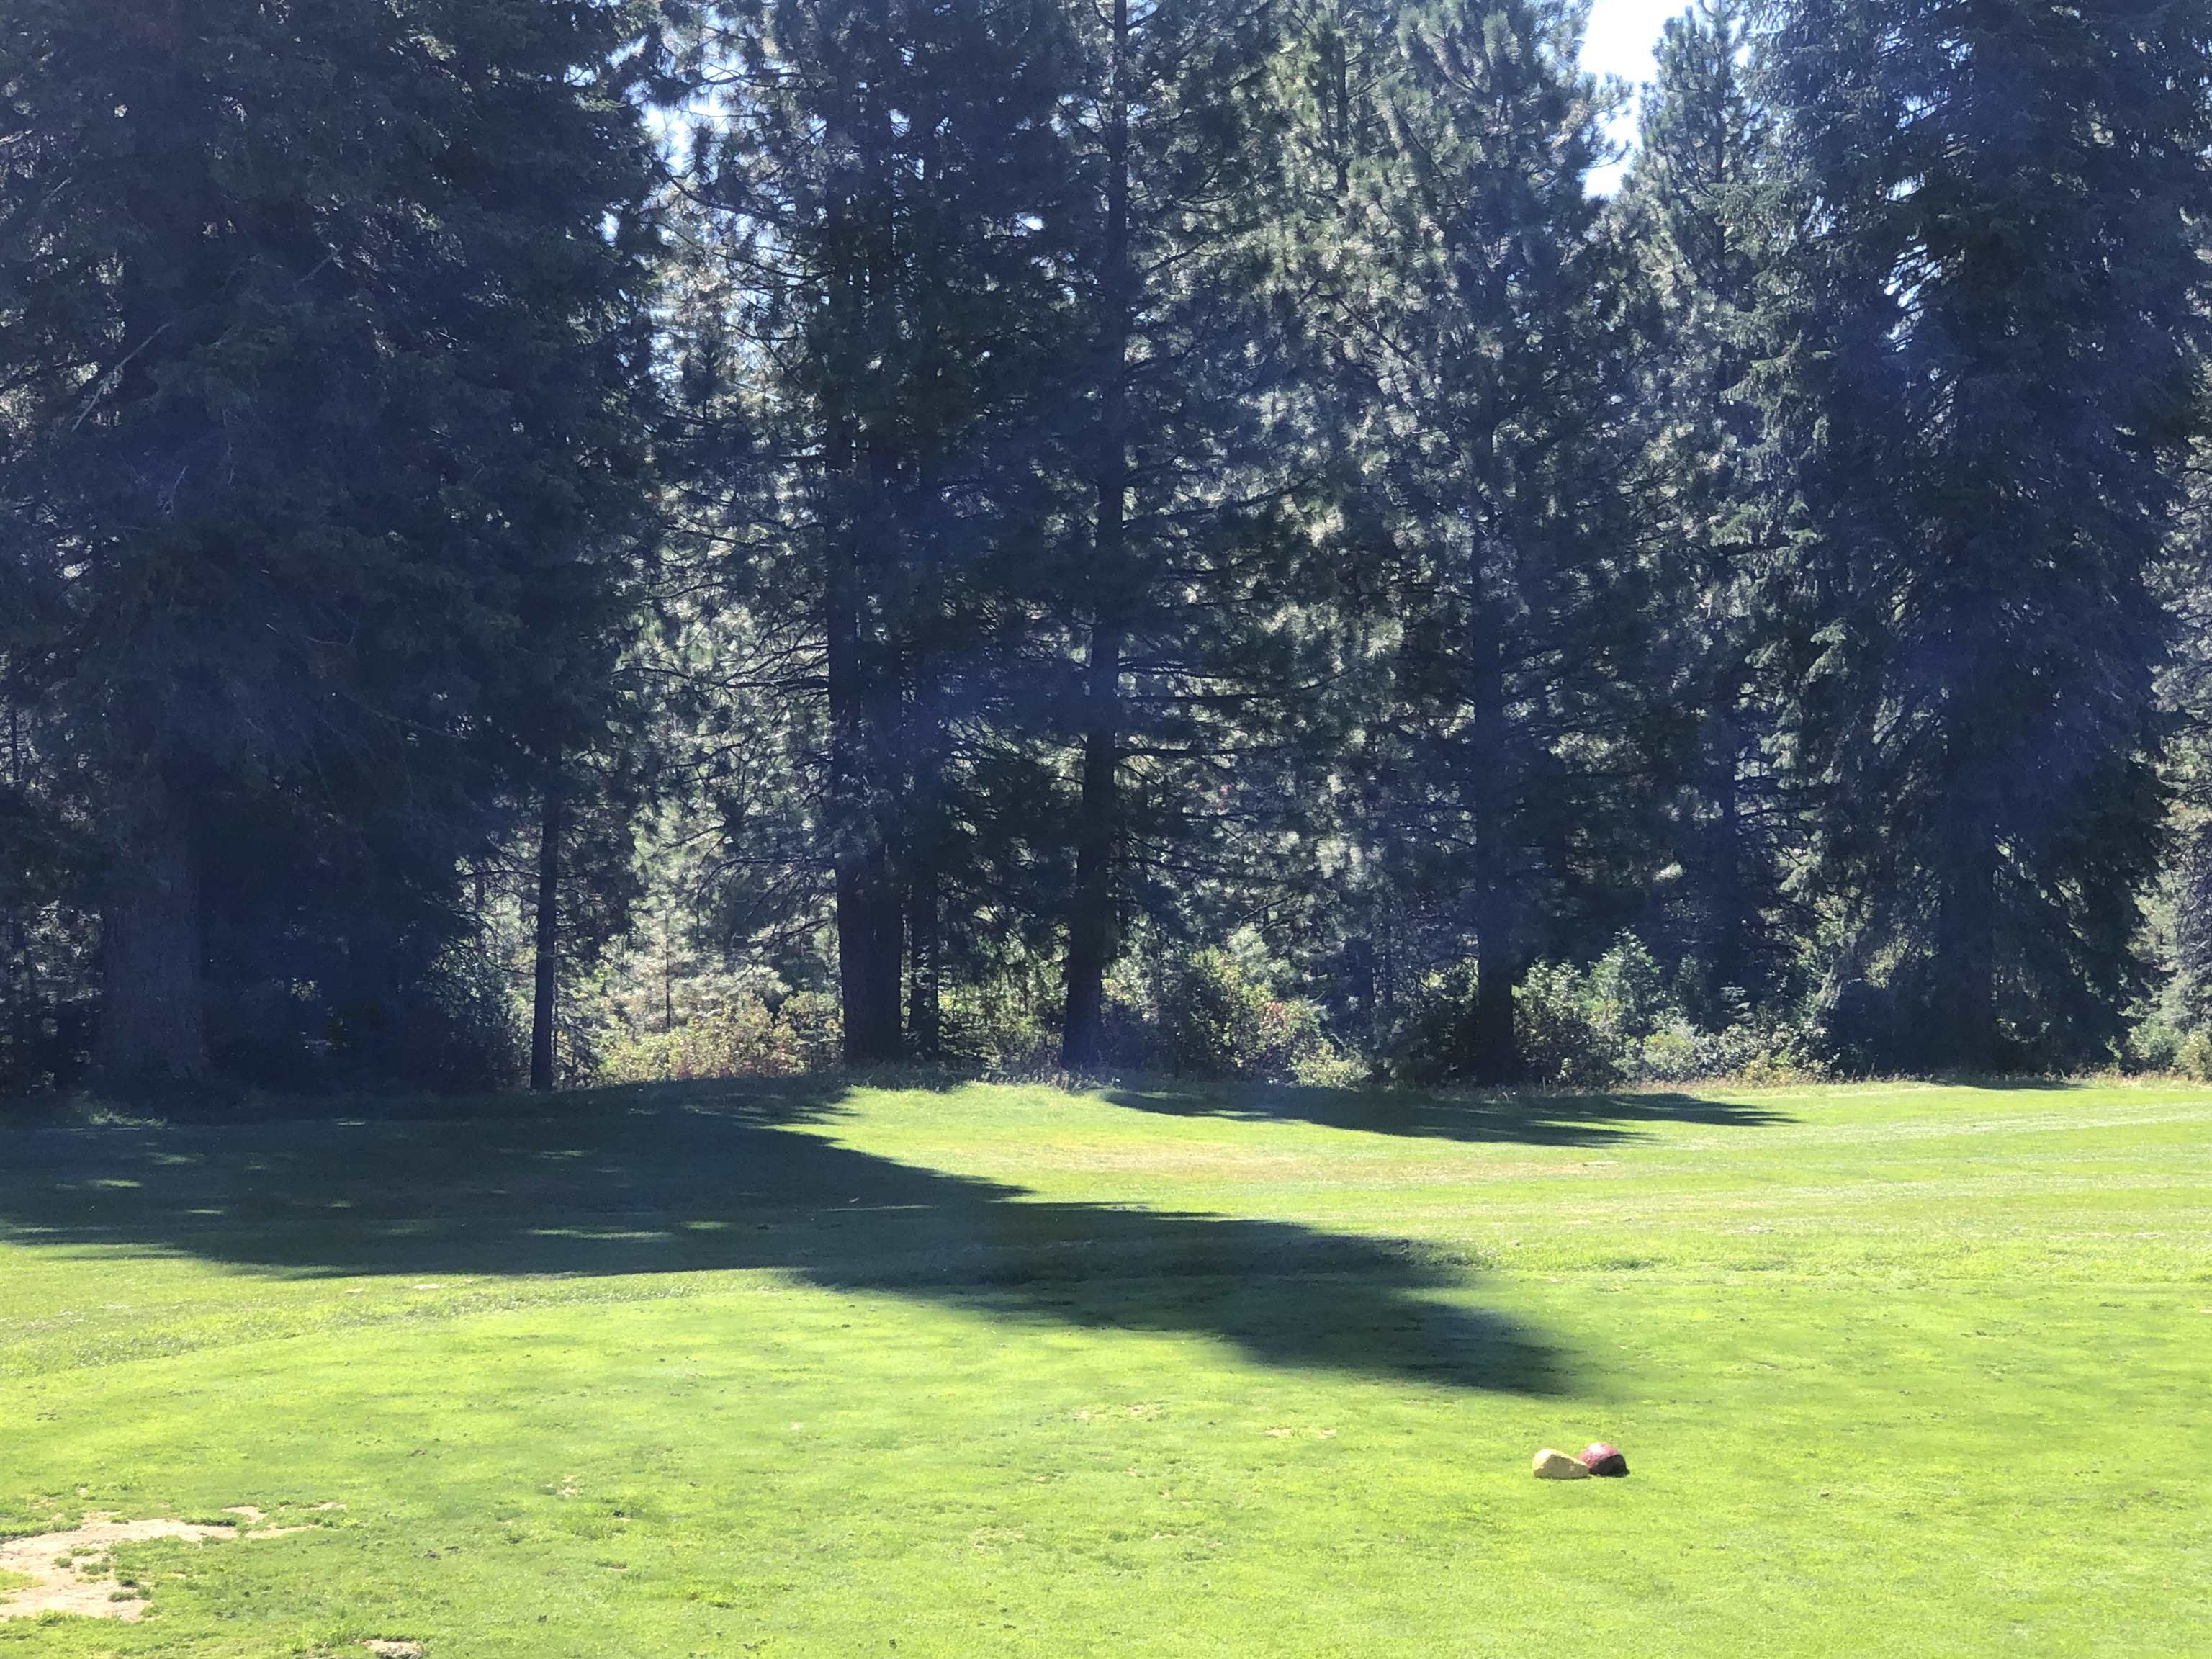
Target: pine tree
[(1700, 206), (320, 326), (879, 186), (1992, 343), (1477, 301), (1174, 527)]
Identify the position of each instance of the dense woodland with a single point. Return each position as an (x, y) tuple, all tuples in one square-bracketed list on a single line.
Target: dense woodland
[(571, 539)]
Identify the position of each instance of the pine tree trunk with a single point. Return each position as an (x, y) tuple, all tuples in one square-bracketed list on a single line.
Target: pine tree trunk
[(1340, 93), (1091, 911), (667, 976), (859, 858), (874, 1034), (1494, 1044), (1495, 1049), (1091, 917), (1728, 945), (925, 744), (152, 1023), (1964, 1002), (544, 1003), (869, 929), (22, 987), (864, 705)]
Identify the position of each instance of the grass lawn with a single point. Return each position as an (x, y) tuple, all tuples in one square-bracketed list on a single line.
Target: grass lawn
[(815, 1369)]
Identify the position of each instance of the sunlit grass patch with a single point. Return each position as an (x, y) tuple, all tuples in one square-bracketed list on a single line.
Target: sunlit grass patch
[(810, 1368)]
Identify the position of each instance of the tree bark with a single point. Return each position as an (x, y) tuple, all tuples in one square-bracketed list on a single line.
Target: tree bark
[(1090, 916), (22, 987), (1729, 944), (544, 1003), (926, 743), (1495, 1049), (1340, 93), (864, 710), (152, 1020), (1091, 909), (869, 924), (1964, 1034)]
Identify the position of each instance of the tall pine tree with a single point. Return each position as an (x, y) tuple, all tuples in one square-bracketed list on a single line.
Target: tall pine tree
[(1478, 305), (1167, 557), (1993, 341), (321, 326), (879, 182), (1700, 205)]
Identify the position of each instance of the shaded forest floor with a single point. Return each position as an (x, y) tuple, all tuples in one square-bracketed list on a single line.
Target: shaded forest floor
[(821, 1369)]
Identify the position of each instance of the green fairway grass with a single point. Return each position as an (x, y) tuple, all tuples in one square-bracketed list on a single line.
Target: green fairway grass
[(824, 1369)]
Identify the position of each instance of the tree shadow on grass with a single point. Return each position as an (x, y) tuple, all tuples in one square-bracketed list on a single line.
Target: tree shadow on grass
[(701, 1177), (1531, 1120)]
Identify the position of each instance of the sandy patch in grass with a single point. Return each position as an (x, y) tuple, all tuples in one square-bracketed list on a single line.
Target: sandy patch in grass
[(70, 1571)]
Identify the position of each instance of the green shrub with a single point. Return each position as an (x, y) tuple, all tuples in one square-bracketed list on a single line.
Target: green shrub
[(1429, 1042), (1613, 1021), (1624, 995), (1216, 1013), (2154, 1044), (1680, 1052), (745, 1037), (1567, 1036)]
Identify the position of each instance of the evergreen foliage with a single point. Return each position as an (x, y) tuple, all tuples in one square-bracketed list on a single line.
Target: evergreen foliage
[(1991, 369), (569, 537)]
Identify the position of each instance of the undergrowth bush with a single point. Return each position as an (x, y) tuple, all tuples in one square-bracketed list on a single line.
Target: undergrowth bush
[(1217, 1013), (1617, 1021), (1222, 1012), (748, 1036)]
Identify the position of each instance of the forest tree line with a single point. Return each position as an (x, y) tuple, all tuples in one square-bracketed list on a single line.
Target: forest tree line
[(572, 538)]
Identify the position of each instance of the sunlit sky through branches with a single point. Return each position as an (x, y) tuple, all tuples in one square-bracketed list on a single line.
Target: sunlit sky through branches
[(1622, 33)]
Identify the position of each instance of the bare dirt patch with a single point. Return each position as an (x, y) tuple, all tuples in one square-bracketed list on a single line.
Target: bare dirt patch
[(70, 1572), (395, 1649)]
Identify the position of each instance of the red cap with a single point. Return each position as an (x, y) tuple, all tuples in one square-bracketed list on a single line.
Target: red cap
[(1601, 1459)]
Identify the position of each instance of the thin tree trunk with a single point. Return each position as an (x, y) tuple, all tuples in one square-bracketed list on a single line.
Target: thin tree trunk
[(667, 975), (852, 823), (152, 1022), (545, 1004), (924, 744), (1495, 1045), (1339, 57), (22, 987), (1090, 912), (1090, 916), (1729, 944)]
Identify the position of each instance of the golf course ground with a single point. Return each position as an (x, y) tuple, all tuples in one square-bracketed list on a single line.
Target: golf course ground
[(824, 1368)]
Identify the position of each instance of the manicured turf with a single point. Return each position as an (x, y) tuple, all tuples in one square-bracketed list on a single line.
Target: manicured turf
[(819, 1370)]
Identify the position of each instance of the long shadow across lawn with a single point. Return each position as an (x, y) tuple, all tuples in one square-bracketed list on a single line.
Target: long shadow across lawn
[(689, 1178), (1590, 1119)]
